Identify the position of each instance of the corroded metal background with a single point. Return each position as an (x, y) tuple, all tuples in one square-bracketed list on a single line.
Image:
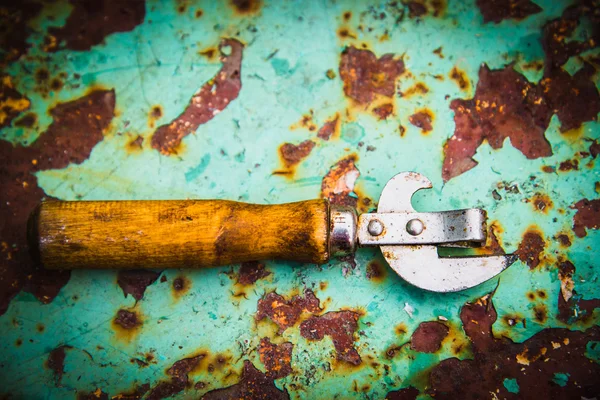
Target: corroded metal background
[(268, 102)]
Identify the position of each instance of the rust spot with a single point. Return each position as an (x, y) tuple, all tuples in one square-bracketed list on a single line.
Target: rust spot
[(135, 394), (428, 337), (531, 248), (77, 127), (127, 324), (569, 165), (323, 285), (460, 77), (548, 169), (56, 362), (533, 65), (285, 313), (276, 358), (438, 52), (207, 102), (14, 19), (532, 362), (384, 111), (365, 76), (402, 130), (253, 384), (135, 145), (12, 102), (422, 119), (418, 88), (330, 128), (330, 74), (401, 329), (292, 154), (246, 7), (181, 285), (340, 326), (347, 16), (345, 33), (18, 342), (88, 25), (540, 313), (376, 271), (178, 372), (199, 13), (56, 84), (498, 10), (26, 121), (542, 294), (250, 272), (493, 244), (586, 217), (40, 328), (541, 202), (564, 240), (97, 394), (210, 53), (338, 184), (135, 282)]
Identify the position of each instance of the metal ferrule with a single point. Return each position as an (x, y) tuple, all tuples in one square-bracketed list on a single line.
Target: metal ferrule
[(342, 230)]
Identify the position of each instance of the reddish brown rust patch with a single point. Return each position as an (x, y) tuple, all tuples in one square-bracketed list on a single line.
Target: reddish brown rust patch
[(286, 313), (541, 202), (409, 393), (531, 248), (460, 77), (56, 363), (253, 385), (97, 394), (12, 103), (438, 52), (91, 22), (384, 111), (340, 326), (330, 128), (428, 337), (594, 148), (586, 217), (246, 7), (365, 76), (135, 282), (181, 285), (276, 358), (127, 319), (493, 244), (498, 10), (422, 119), (564, 240), (136, 394), (212, 98), (569, 165), (179, 378), (77, 127), (250, 272), (292, 154), (338, 184), (548, 169), (533, 363)]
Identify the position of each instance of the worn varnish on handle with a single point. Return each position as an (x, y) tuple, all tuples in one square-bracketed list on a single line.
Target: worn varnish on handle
[(176, 233)]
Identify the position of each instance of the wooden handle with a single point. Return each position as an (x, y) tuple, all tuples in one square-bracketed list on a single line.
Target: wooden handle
[(176, 234)]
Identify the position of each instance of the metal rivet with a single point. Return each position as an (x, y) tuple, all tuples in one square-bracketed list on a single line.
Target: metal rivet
[(375, 227), (415, 227)]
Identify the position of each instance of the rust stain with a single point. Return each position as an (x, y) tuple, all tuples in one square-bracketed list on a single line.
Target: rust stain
[(531, 248), (428, 337), (250, 272), (569, 165), (330, 128), (541, 202), (212, 98), (134, 394), (246, 7), (12, 102), (347, 16), (438, 52), (276, 358), (40, 327), (135, 145), (56, 362), (97, 394), (77, 127), (493, 242), (340, 326), (88, 25), (292, 154), (422, 119), (365, 76), (533, 362), (376, 271), (156, 112), (460, 77), (286, 313), (345, 33), (127, 324), (563, 239), (253, 384), (338, 184), (499, 10), (135, 282), (384, 111), (586, 217), (179, 378), (181, 286), (211, 53), (408, 393), (418, 88)]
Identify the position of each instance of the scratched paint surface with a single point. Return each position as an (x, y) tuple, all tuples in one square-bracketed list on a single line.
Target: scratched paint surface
[(271, 102)]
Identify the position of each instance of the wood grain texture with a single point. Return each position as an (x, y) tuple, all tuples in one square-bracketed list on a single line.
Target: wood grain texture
[(176, 233)]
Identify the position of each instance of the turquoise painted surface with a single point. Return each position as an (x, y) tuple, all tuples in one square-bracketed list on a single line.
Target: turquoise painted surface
[(233, 157)]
